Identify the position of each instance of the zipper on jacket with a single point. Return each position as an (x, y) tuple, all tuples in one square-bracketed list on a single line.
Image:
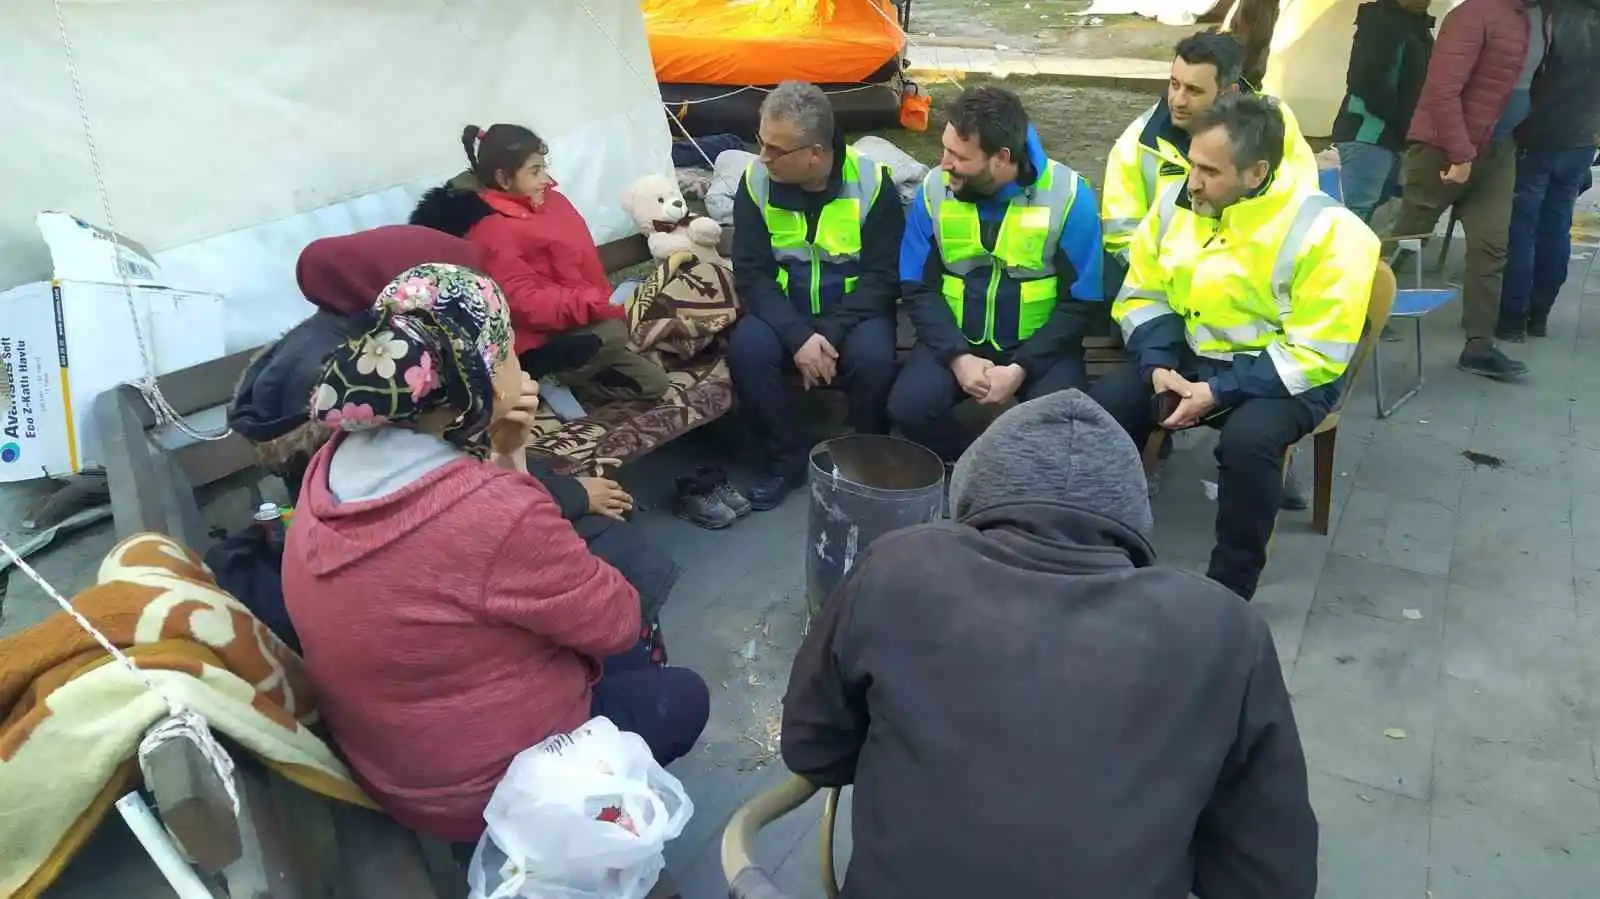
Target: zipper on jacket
[(989, 303), (816, 282)]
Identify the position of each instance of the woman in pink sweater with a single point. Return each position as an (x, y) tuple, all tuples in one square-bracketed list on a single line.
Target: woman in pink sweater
[(451, 617)]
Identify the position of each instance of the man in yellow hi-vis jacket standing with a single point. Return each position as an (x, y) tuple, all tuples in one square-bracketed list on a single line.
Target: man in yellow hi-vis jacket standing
[(1245, 299), (1153, 153)]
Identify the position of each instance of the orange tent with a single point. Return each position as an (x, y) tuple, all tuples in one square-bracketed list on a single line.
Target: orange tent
[(763, 42)]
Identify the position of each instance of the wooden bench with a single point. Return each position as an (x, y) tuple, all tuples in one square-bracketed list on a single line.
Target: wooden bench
[(154, 469)]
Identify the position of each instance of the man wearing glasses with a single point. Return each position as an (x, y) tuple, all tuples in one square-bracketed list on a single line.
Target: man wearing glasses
[(816, 249)]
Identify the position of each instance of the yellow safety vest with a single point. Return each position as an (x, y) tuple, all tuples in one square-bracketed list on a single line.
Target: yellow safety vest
[(1288, 273), (1002, 296), (1137, 174), (816, 273)]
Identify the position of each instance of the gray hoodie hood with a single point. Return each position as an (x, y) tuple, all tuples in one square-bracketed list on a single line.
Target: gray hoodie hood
[(1061, 448)]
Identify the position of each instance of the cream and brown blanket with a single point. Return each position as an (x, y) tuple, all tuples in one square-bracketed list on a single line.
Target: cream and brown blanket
[(71, 718)]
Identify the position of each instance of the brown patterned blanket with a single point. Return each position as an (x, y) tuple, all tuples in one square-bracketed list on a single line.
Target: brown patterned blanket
[(675, 318)]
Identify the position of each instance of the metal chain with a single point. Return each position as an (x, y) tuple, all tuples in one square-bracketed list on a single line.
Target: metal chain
[(147, 383)]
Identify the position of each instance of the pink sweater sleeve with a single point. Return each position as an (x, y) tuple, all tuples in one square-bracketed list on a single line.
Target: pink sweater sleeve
[(545, 580)]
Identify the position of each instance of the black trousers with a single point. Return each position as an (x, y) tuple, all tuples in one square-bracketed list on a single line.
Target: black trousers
[(922, 404), (1255, 435), (758, 362)]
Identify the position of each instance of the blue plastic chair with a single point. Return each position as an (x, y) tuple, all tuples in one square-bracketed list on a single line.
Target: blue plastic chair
[(1411, 303)]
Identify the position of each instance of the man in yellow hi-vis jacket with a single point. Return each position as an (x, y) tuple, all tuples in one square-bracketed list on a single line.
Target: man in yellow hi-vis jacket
[(1153, 153), (1245, 299)]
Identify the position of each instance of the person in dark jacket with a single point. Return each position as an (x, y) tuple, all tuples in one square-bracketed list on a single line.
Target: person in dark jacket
[(1556, 146), (341, 276), (1028, 705), (1463, 154), (816, 242), (1001, 268), (1388, 64)]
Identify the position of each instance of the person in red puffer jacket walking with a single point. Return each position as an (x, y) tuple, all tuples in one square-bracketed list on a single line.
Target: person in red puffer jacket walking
[(1463, 154), (541, 254)]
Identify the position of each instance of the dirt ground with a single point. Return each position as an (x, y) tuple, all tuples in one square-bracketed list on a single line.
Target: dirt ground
[(1044, 26), (1077, 125)]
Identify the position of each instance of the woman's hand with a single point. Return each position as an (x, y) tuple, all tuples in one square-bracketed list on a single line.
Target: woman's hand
[(606, 497), (509, 435)]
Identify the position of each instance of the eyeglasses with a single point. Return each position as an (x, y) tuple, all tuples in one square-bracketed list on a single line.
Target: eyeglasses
[(773, 154)]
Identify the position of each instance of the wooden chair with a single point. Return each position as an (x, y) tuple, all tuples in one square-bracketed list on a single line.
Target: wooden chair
[(1326, 434)]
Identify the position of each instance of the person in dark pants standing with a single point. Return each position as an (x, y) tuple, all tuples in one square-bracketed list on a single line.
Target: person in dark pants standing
[(1462, 153), (1556, 149), (1388, 64), (1245, 301), (1001, 270), (816, 244)]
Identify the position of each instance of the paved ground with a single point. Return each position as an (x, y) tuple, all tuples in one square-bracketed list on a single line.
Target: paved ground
[(1442, 645)]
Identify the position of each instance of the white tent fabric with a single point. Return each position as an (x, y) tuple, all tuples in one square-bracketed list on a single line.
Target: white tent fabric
[(232, 134), (1310, 54)]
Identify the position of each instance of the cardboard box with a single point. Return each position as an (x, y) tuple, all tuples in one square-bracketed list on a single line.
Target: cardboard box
[(65, 341)]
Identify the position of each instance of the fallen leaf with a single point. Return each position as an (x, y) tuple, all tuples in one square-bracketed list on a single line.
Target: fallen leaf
[(1394, 733), (1412, 614)]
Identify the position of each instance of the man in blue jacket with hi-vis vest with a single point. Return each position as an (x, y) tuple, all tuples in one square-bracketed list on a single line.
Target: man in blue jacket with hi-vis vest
[(1000, 268)]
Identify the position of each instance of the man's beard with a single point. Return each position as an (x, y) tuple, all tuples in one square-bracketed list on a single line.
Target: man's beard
[(976, 188)]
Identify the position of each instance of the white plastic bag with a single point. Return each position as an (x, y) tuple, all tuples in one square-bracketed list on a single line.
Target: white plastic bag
[(580, 816)]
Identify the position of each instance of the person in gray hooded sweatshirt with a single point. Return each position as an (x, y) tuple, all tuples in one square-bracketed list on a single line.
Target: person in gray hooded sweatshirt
[(1028, 705)]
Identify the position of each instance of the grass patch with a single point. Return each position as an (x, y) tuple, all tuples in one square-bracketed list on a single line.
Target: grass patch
[(1077, 125)]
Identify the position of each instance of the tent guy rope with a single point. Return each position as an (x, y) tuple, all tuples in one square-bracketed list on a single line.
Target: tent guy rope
[(180, 723), (147, 383)]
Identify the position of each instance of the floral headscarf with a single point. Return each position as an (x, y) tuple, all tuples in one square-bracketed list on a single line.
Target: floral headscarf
[(436, 336)]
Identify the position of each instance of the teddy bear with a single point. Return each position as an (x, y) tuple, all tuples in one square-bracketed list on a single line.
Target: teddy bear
[(663, 216)]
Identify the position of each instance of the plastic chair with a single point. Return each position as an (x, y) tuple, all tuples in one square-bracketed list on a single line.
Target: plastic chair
[(746, 879), (1413, 303)]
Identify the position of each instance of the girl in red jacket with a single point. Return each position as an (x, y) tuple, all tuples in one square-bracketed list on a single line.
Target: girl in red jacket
[(541, 254), (450, 617)]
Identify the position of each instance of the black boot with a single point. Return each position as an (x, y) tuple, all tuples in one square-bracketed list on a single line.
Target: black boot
[(1539, 324)]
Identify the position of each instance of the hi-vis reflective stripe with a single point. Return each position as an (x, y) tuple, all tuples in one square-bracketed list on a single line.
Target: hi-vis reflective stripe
[(1119, 226), (1149, 171), (1168, 210), (1238, 335), (1305, 217), (1337, 350)]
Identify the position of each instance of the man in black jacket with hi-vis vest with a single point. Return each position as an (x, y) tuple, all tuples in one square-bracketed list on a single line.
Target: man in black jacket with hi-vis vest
[(816, 246)]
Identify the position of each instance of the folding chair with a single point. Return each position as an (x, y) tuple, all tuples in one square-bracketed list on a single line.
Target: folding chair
[(1413, 303)]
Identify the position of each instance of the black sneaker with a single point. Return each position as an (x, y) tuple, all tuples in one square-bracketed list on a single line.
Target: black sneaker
[(769, 491), (1538, 324), (1490, 363), (700, 504)]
